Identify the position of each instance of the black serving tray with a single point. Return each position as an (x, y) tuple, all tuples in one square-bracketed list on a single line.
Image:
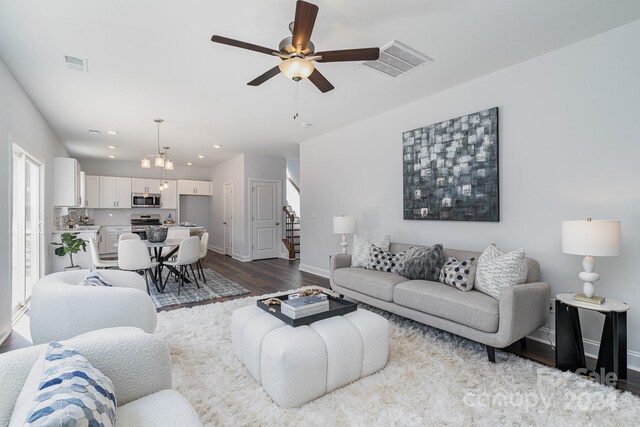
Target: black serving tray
[(337, 307)]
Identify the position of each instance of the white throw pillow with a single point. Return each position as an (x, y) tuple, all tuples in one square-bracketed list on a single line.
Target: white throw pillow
[(361, 248), (497, 270)]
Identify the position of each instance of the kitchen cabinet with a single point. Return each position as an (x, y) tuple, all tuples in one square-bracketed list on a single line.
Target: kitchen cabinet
[(195, 188), (83, 188), (92, 191), (115, 192), (66, 182), (142, 185), (169, 196), (111, 236)]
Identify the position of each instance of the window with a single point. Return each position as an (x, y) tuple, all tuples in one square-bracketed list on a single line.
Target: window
[(26, 227)]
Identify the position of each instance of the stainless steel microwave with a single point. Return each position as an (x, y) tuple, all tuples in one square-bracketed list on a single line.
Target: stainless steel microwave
[(145, 200)]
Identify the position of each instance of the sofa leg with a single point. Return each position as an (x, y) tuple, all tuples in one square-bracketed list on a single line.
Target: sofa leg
[(491, 353), (523, 343)]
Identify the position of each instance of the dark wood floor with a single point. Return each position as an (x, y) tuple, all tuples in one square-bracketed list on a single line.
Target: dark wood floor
[(275, 275)]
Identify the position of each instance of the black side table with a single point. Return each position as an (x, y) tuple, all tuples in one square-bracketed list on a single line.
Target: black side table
[(612, 357)]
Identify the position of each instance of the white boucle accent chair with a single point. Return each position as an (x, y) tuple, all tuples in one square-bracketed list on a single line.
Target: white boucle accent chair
[(61, 308), (138, 364)]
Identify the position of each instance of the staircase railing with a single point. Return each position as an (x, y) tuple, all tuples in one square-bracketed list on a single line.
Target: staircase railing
[(289, 240)]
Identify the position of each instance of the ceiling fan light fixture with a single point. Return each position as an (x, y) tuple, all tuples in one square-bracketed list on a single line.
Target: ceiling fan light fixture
[(296, 68)]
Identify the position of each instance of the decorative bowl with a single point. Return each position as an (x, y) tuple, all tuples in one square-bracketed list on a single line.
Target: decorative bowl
[(157, 234)]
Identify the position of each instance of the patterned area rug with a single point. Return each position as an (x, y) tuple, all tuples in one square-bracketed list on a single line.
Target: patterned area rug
[(216, 286)]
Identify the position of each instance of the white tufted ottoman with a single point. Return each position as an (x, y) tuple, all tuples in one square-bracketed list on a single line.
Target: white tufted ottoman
[(297, 365)]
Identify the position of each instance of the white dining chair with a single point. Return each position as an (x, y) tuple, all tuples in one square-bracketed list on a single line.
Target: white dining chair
[(133, 255), (204, 242), (176, 234), (95, 256), (129, 236), (188, 254)]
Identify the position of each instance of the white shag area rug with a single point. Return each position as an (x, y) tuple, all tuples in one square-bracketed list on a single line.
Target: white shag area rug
[(432, 378)]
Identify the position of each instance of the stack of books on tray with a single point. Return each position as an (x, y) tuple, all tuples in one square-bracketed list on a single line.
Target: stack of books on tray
[(304, 306)]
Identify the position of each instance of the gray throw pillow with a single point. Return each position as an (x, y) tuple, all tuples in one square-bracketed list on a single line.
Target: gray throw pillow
[(423, 262)]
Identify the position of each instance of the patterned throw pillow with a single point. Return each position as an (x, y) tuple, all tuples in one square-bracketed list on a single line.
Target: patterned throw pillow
[(94, 279), (423, 263), (361, 247), (382, 260), (459, 274), (70, 391), (497, 270)]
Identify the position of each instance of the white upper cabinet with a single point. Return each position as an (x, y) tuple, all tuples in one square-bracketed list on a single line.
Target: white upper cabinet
[(92, 191), (169, 197), (115, 193), (195, 188), (66, 182), (143, 185)]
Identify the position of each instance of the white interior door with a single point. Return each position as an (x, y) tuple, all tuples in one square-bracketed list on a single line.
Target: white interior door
[(265, 219), (228, 218), (26, 242)]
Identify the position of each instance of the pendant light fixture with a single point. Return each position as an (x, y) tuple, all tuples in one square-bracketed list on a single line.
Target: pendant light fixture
[(161, 159)]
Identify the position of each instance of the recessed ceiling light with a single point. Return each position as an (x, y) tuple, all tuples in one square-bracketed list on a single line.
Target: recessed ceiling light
[(113, 147), (94, 131), (111, 156), (217, 146), (306, 125), (201, 156), (189, 164), (112, 132)]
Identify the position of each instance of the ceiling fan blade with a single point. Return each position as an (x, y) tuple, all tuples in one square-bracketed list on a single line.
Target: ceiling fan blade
[(320, 81), (367, 54), (303, 24), (264, 77), (242, 45)]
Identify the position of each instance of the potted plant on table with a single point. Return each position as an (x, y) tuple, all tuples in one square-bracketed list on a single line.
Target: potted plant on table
[(70, 244)]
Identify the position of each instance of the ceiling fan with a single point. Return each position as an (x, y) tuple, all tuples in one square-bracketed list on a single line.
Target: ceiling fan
[(298, 52)]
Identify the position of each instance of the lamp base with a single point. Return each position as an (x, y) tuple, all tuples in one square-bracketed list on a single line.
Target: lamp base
[(591, 300)]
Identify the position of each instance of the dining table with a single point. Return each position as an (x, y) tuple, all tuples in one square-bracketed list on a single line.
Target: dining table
[(173, 245)]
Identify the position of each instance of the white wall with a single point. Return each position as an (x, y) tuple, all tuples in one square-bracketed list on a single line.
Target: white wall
[(230, 171), (21, 122), (569, 148), (196, 210)]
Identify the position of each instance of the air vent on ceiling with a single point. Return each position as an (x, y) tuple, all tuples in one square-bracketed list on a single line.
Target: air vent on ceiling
[(77, 64), (397, 59)]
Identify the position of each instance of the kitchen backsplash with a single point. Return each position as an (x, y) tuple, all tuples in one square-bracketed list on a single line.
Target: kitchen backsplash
[(109, 216)]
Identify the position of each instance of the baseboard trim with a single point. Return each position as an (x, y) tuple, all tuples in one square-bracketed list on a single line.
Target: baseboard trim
[(243, 258), (314, 270), (591, 347), (216, 249)]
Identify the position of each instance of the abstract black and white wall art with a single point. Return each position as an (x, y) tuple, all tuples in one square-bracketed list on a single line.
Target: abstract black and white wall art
[(450, 169)]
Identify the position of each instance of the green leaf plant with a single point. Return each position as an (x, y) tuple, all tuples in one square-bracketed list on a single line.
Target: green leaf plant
[(70, 244)]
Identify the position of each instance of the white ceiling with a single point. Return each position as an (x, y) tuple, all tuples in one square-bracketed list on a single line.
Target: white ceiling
[(152, 59)]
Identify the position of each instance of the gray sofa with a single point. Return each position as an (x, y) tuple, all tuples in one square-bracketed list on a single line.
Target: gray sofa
[(521, 309)]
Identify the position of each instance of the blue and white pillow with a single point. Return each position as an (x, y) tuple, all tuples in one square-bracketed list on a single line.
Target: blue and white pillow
[(65, 389), (94, 279)]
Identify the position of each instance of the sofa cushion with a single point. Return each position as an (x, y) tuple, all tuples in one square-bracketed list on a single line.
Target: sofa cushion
[(497, 270), (377, 284), (362, 247), (472, 308), (422, 262)]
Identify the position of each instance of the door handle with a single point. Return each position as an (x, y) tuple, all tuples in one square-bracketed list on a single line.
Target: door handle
[(277, 223), (224, 222)]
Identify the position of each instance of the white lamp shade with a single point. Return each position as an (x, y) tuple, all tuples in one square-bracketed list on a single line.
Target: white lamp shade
[(593, 238), (296, 67), (344, 225)]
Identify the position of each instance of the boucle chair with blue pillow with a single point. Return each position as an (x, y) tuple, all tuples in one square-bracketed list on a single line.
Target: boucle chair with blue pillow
[(61, 308), (138, 364)]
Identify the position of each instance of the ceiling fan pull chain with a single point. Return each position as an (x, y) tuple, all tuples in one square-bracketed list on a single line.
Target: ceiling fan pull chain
[(295, 101)]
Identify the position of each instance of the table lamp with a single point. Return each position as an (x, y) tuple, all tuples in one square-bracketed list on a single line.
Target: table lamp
[(344, 225), (590, 238)]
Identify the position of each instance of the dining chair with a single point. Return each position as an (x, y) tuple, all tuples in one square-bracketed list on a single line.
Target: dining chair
[(95, 256), (133, 255), (129, 236), (177, 234), (188, 254), (204, 242)]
